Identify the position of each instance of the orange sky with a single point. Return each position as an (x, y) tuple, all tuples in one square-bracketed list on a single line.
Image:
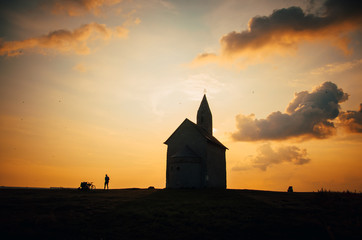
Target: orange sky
[(94, 87)]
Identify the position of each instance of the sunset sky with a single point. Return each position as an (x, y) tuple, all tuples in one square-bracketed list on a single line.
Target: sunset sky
[(89, 87)]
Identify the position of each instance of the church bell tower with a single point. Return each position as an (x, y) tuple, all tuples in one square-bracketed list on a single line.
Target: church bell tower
[(204, 117)]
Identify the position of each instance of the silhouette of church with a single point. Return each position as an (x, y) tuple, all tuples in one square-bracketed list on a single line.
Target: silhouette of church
[(195, 158)]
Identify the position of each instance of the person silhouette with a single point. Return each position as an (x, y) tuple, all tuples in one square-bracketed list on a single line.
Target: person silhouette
[(106, 181)]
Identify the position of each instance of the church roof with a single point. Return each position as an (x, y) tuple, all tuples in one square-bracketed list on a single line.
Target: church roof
[(202, 131)]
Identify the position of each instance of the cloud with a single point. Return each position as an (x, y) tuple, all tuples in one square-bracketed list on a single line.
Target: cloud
[(81, 7), (285, 28), (308, 115), (187, 89), (80, 67), (337, 67), (196, 84), (203, 58), (266, 156), (64, 41), (351, 120)]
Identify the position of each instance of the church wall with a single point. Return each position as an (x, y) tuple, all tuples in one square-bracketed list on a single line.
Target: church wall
[(216, 166), (186, 135), (184, 173)]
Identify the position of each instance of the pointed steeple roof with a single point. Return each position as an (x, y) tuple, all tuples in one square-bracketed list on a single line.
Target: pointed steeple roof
[(204, 104), (204, 116)]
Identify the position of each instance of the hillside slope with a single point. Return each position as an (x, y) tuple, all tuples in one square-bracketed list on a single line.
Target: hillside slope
[(178, 214)]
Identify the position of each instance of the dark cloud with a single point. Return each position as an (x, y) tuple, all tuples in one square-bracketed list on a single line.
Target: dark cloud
[(267, 156), (63, 41), (307, 115), (81, 7), (352, 120), (285, 28)]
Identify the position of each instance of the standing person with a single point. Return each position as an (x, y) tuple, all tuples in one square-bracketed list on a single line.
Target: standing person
[(106, 181)]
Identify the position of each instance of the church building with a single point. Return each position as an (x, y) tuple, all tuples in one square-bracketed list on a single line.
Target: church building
[(195, 158)]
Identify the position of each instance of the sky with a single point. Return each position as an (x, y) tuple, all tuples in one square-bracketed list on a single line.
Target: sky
[(95, 87)]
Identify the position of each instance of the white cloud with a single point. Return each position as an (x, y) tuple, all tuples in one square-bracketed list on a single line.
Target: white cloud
[(195, 85), (334, 68)]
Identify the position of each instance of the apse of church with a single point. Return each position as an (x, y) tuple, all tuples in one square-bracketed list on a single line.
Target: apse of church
[(195, 158)]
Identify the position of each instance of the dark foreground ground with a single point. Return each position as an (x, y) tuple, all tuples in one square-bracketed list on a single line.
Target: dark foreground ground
[(178, 214)]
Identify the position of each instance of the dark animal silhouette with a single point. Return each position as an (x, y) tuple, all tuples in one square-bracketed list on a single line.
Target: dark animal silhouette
[(86, 186)]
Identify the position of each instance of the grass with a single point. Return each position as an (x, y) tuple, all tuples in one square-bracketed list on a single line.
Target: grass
[(178, 214)]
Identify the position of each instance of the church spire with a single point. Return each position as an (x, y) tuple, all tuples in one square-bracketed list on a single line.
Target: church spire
[(204, 117)]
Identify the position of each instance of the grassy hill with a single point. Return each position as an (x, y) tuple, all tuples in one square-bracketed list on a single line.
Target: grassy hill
[(178, 214)]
